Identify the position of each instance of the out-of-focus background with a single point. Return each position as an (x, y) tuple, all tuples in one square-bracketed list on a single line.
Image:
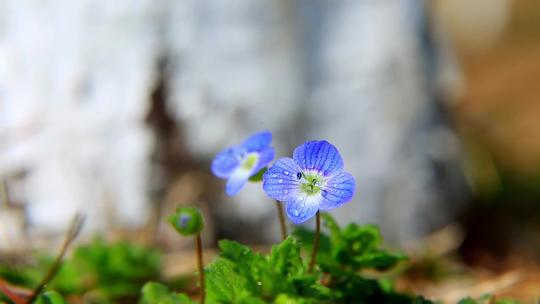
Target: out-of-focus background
[(114, 109)]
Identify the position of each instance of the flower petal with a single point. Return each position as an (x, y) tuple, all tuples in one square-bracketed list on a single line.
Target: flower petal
[(257, 142), (301, 208), (225, 163), (236, 181), (320, 156), (338, 190), (280, 182), (265, 158)]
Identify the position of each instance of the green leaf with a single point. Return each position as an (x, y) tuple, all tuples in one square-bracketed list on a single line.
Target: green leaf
[(331, 224), (306, 237), (257, 177), (251, 300), (235, 251), (287, 299), (355, 289), (362, 239), (308, 286), (245, 263), (285, 258), (50, 297), (339, 248), (223, 283), (156, 293), (379, 260)]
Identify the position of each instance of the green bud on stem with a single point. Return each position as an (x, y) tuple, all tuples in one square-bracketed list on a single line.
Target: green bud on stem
[(187, 221)]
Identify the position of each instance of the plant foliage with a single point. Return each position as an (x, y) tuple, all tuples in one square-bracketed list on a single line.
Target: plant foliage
[(106, 272), (351, 264), (240, 275)]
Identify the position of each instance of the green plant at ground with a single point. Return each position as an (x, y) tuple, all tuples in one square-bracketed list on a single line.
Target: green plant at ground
[(240, 275), (103, 273), (344, 253), (117, 270)]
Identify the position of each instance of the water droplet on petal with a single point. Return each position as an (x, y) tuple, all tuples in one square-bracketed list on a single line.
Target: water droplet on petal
[(295, 212), (286, 172), (274, 175), (280, 181)]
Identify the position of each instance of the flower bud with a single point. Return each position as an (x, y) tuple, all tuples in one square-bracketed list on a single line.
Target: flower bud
[(187, 220)]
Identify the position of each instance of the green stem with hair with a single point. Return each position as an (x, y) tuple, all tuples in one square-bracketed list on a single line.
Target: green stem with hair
[(73, 231), (282, 223), (315, 242), (198, 245)]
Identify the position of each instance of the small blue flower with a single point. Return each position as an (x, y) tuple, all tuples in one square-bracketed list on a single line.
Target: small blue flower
[(312, 180), (238, 163)]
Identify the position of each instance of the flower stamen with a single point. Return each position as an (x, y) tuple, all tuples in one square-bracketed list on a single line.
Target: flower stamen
[(250, 160), (311, 184)]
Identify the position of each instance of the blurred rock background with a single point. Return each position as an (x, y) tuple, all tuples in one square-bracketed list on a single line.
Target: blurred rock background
[(115, 109)]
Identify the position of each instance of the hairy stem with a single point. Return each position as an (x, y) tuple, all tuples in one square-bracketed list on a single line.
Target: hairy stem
[(198, 244), (315, 242), (73, 231), (281, 221)]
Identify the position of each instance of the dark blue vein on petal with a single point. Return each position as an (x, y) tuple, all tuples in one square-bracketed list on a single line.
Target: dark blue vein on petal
[(280, 181), (338, 190)]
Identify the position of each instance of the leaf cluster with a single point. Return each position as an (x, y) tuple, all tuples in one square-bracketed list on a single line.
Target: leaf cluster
[(344, 253), (353, 248), (346, 262), (240, 275), (115, 270), (99, 271)]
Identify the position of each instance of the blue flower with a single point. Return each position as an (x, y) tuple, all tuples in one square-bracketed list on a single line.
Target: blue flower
[(312, 180), (238, 163)]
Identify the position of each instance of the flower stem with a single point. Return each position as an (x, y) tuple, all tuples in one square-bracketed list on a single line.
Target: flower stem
[(315, 242), (198, 244), (281, 221), (73, 230)]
